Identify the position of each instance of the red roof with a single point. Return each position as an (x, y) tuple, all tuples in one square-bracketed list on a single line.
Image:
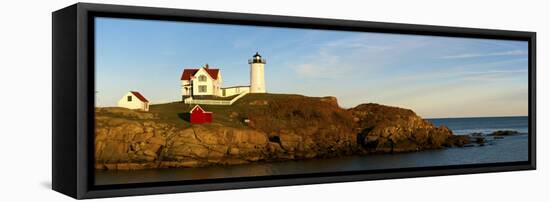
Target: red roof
[(199, 116), (139, 96), (187, 73), (197, 109)]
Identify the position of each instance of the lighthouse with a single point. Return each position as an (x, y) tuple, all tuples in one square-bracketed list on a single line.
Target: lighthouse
[(257, 81)]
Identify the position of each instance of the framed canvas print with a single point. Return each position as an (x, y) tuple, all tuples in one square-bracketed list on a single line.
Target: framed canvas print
[(156, 100)]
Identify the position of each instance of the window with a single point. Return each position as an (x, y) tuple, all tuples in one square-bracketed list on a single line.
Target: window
[(202, 78), (202, 88), (129, 98)]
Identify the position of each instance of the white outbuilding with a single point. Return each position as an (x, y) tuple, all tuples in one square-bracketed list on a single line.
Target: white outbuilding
[(134, 100)]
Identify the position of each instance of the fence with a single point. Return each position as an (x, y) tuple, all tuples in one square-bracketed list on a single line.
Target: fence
[(214, 102)]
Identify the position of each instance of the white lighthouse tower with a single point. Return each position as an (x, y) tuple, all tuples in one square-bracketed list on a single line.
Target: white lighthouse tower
[(257, 81)]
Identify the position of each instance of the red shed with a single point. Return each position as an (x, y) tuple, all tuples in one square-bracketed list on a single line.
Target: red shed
[(199, 116)]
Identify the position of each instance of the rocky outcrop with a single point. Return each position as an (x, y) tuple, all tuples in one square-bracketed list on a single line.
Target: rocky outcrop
[(200, 146), (504, 133), (305, 127), (140, 142), (130, 141), (280, 128), (391, 129), (127, 139), (458, 141)]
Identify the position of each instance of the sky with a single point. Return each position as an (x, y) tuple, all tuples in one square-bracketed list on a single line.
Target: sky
[(436, 77)]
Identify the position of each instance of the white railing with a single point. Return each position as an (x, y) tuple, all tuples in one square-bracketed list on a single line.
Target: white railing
[(190, 100), (238, 97)]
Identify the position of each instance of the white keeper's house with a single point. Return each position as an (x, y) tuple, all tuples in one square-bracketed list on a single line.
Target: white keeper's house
[(134, 100), (206, 82)]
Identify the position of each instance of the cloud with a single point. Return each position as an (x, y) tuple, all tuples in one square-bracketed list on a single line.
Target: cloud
[(367, 42), (351, 56), (321, 72), (458, 74), (496, 72), (307, 70), (493, 75), (477, 55), (404, 71)]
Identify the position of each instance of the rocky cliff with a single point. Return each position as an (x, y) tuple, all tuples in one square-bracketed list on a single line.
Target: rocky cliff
[(128, 139), (281, 127), (392, 129)]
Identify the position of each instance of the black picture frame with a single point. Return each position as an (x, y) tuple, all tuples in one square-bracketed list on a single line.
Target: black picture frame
[(73, 99)]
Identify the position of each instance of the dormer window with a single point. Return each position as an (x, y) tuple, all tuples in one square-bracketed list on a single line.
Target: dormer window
[(202, 78)]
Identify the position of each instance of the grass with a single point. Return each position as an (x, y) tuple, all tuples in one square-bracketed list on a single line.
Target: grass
[(175, 113), (232, 115)]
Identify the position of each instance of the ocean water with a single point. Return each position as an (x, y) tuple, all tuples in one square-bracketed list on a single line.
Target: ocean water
[(509, 149), (461, 126)]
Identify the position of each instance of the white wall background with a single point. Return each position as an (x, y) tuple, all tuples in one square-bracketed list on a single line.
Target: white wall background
[(25, 100)]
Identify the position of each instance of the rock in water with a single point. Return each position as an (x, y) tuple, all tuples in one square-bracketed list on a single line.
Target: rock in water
[(504, 133), (458, 141)]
